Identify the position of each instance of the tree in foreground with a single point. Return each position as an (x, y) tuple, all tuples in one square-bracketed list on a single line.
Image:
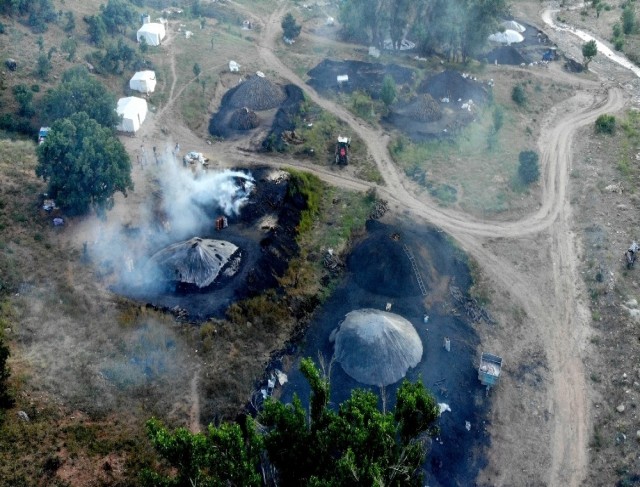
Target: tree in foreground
[(528, 170), (84, 163), (589, 51), (357, 445), (290, 29)]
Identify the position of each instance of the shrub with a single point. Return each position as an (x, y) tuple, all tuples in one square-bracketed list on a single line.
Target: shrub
[(528, 170), (606, 124), (362, 105), (519, 95), (618, 43)]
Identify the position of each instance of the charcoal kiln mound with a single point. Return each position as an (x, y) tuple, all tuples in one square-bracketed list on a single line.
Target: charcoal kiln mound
[(362, 76), (422, 108), (196, 261), (453, 86), (256, 93), (376, 347), (382, 267), (225, 263), (508, 55), (285, 119), (244, 119)]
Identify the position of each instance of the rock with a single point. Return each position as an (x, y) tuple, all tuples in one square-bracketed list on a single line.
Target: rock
[(632, 303), (638, 435), (620, 408), (23, 416)]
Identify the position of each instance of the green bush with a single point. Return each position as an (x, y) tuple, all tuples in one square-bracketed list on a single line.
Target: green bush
[(519, 95), (618, 43), (606, 124), (528, 170), (362, 105)]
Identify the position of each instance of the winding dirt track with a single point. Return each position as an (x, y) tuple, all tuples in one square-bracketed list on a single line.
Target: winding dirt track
[(553, 308), (557, 313)]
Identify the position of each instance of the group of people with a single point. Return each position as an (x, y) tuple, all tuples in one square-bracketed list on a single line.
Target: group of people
[(142, 156)]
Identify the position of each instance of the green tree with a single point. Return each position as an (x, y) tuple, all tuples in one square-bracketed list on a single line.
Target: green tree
[(498, 118), (70, 46), (71, 21), (197, 70), (43, 66), (355, 445), (228, 455), (79, 91), (144, 46), (290, 29), (528, 170), (628, 20), (589, 51), (388, 93), (84, 163), (97, 29), (24, 96), (117, 15), (606, 124), (519, 95), (6, 399)]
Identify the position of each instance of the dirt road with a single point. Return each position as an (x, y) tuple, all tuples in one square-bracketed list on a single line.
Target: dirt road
[(548, 289), (555, 311)]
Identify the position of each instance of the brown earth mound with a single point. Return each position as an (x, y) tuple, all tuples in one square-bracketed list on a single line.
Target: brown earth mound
[(424, 109), (244, 119)]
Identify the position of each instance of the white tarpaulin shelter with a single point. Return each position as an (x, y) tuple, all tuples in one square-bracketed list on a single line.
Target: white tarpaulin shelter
[(152, 32), (133, 111), (507, 37), (143, 81), (234, 67), (513, 25)]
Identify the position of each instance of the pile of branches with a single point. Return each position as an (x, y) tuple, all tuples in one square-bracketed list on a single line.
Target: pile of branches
[(424, 109), (244, 119), (331, 261), (472, 308), (380, 207)]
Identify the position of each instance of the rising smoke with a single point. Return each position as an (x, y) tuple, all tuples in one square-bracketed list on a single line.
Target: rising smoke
[(184, 206)]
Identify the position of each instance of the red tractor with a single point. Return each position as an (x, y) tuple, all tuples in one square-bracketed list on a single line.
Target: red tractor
[(342, 151)]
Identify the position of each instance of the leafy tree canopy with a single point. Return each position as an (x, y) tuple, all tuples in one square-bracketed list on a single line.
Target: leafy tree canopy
[(117, 15), (388, 92), (79, 91), (528, 170), (355, 445), (290, 29), (455, 28), (589, 51), (84, 164)]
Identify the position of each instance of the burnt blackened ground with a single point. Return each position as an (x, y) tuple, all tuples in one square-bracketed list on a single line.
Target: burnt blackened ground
[(378, 272), (265, 252), (363, 76)]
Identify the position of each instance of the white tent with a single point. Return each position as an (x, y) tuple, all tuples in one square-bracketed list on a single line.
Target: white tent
[(507, 37), (234, 67), (152, 32), (143, 81), (133, 111), (513, 25)]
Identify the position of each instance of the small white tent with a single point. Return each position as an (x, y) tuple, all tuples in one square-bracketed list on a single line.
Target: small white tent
[(507, 37), (143, 81), (133, 111), (153, 33)]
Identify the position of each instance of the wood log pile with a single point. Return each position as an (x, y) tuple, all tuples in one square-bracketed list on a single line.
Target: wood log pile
[(471, 307), (380, 207)]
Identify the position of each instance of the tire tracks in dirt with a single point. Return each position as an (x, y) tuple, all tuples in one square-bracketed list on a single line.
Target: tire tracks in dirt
[(557, 313)]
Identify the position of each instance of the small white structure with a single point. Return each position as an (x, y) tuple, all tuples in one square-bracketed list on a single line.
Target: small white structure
[(374, 51), (507, 37), (330, 21), (513, 25), (152, 32), (133, 111), (143, 81), (234, 67), (342, 78)]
